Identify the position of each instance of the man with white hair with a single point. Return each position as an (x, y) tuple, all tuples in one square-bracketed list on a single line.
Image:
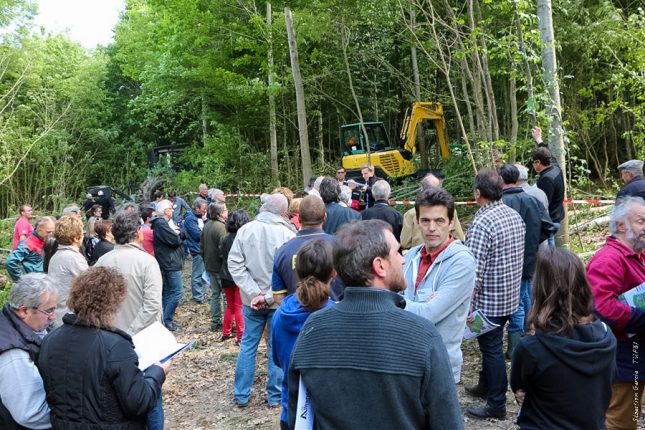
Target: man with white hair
[(382, 210), (615, 269), (250, 263), (631, 173), (204, 194), (24, 320)]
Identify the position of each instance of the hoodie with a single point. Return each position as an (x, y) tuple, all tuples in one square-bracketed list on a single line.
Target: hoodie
[(287, 323), (451, 277), (567, 379)]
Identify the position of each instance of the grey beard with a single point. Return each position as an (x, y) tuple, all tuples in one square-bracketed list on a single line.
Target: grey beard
[(637, 241)]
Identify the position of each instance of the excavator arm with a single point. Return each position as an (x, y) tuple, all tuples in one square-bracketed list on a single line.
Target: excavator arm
[(424, 111)]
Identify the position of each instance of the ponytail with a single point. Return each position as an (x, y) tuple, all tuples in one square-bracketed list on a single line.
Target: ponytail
[(312, 293)]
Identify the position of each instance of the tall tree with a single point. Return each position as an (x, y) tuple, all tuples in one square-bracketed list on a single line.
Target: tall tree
[(273, 136), (550, 69), (300, 98)]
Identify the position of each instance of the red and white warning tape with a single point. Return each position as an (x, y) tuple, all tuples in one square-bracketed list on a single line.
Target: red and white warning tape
[(411, 202), (575, 202)]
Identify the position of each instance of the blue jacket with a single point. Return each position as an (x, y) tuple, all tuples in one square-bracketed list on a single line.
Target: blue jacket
[(452, 277), (338, 215), (284, 279), (286, 323), (193, 233)]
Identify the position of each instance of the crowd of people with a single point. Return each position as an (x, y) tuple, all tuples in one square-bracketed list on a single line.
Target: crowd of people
[(365, 308)]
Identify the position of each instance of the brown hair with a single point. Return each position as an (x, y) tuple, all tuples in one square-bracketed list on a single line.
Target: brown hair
[(68, 229), (101, 228), (312, 211), (561, 293), (314, 267), (97, 294)]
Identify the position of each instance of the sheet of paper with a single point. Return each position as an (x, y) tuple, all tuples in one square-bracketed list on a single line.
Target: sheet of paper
[(156, 343), (479, 326), (305, 415)]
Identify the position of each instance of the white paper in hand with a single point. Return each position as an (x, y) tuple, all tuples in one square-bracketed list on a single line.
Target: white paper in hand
[(479, 326), (305, 413), (156, 343)]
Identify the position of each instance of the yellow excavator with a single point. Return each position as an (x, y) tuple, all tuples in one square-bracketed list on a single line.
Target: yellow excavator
[(368, 142)]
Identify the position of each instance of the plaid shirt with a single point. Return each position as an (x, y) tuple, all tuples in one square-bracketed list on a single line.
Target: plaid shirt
[(496, 239)]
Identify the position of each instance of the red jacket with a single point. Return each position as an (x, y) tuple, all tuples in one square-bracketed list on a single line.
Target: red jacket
[(613, 270)]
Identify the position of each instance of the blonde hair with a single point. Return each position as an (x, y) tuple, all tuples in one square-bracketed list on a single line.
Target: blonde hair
[(294, 208), (68, 230)]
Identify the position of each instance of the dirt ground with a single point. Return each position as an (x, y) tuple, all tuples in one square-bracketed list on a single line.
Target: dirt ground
[(198, 394)]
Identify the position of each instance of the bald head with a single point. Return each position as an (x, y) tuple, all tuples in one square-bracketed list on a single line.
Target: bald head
[(312, 212), (430, 180)]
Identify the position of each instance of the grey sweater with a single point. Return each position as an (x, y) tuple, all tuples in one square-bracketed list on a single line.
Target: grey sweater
[(368, 364)]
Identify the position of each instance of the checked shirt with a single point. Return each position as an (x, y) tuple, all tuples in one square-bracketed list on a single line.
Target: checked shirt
[(496, 239)]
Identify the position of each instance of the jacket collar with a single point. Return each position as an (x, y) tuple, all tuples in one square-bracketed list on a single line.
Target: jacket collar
[(513, 190), (70, 319), (270, 218), (369, 299), (626, 251)]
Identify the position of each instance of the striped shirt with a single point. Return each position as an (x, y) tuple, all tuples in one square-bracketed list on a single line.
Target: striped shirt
[(496, 239)]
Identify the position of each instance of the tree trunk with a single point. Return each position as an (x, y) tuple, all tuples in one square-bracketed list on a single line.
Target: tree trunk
[(446, 71), (527, 68), (300, 98), (421, 143), (512, 95), (344, 35), (488, 81), (321, 140), (478, 76), (204, 120), (273, 137), (550, 67)]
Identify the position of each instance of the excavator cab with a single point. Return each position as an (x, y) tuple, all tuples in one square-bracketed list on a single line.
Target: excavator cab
[(355, 142), (389, 160)]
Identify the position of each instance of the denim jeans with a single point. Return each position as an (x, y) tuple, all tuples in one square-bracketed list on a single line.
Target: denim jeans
[(518, 319), (156, 416), (196, 284), (254, 322), (171, 293), (216, 301), (493, 378)]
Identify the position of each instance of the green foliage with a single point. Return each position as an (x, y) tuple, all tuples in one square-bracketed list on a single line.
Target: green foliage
[(195, 72), (4, 296)]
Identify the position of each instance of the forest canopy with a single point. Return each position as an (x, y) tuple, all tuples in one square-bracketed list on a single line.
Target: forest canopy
[(207, 74)]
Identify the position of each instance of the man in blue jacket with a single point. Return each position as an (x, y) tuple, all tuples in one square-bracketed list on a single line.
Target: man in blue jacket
[(194, 224), (439, 274)]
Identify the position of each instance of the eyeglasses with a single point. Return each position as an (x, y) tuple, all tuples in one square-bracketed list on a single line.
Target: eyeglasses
[(340, 171), (49, 312)]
